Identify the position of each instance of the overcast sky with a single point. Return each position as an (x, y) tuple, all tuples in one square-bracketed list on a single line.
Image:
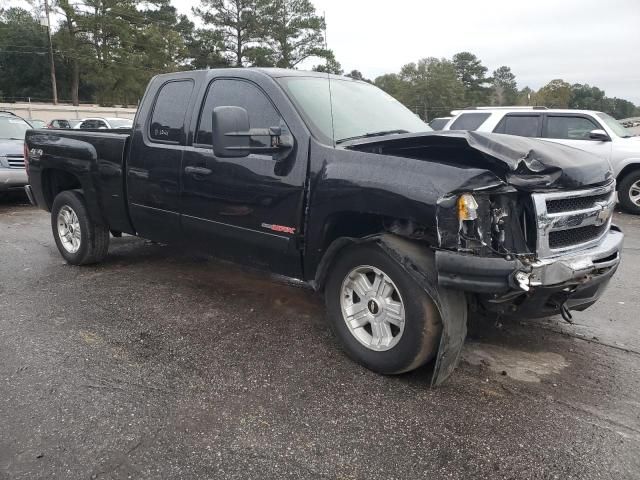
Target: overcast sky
[(585, 41)]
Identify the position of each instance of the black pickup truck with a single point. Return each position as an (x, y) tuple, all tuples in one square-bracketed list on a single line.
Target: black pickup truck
[(331, 181)]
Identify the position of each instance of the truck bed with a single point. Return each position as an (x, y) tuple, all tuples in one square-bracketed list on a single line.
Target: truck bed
[(97, 158)]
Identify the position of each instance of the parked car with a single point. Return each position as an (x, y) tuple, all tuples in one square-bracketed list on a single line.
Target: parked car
[(35, 123), (439, 123), (62, 123), (13, 175), (400, 227), (104, 123), (594, 132)]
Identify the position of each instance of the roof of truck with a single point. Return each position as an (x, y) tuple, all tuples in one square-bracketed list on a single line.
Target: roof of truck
[(271, 72)]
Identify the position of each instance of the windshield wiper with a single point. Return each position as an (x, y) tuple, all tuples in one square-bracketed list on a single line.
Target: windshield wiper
[(372, 134)]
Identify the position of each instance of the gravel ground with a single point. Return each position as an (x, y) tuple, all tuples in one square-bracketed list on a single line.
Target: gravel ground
[(161, 363)]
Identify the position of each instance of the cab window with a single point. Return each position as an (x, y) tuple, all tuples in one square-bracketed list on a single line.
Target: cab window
[(167, 119), (237, 93)]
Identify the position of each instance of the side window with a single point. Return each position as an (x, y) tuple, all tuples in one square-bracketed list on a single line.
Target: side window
[(237, 93), (569, 128), (87, 124), (167, 120), (100, 124), (469, 121), (520, 125)]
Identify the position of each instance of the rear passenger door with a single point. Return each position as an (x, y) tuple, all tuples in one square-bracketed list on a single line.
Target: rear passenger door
[(573, 130), (527, 124), (155, 159)]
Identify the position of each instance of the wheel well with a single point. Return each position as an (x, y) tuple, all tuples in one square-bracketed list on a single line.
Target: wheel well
[(346, 228), (633, 167), (55, 181), (352, 225)]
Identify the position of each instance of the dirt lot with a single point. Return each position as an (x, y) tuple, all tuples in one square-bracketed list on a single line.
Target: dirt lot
[(165, 364)]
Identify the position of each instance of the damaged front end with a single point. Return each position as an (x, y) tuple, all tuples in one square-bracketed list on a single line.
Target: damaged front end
[(533, 254), (536, 242)]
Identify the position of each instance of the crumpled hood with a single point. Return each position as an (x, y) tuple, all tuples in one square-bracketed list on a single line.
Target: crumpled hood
[(525, 163)]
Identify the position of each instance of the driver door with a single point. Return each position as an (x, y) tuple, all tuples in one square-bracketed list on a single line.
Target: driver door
[(248, 209)]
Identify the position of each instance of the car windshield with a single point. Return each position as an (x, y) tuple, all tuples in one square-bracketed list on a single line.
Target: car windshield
[(359, 109), (120, 123), (13, 128), (614, 125)]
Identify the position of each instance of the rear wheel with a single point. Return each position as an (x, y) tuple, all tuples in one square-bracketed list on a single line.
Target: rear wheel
[(629, 192), (383, 318), (79, 240)]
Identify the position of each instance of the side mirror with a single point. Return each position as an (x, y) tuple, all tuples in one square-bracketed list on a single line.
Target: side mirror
[(599, 134), (232, 135), (226, 123)]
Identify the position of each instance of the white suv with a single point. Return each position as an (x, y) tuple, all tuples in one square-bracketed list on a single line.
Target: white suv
[(595, 132)]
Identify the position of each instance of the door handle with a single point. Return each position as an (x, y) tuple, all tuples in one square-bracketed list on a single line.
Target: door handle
[(198, 171)]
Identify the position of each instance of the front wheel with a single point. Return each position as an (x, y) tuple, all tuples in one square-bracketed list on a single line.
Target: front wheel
[(629, 192), (79, 240), (384, 320)]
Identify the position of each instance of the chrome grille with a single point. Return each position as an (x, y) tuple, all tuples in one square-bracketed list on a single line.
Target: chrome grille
[(15, 161), (575, 236), (579, 203), (572, 220)]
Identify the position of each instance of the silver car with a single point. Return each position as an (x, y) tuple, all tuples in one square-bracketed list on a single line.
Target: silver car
[(13, 175)]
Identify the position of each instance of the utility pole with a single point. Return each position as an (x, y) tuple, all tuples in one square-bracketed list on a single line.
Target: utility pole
[(54, 87)]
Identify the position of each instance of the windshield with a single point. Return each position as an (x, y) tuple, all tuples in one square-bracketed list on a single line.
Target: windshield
[(120, 123), (13, 128), (359, 109), (614, 125)]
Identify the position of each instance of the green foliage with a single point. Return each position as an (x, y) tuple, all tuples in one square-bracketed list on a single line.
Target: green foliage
[(238, 23), (430, 87), (472, 74), (293, 32), (505, 88), (555, 94), (24, 62), (331, 65), (106, 51), (205, 49), (525, 97), (585, 97)]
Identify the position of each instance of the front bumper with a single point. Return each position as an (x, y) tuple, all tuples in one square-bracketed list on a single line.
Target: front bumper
[(576, 279), (12, 179)]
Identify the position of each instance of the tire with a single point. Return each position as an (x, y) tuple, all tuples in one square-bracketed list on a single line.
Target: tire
[(91, 243), (412, 343), (628, 187)]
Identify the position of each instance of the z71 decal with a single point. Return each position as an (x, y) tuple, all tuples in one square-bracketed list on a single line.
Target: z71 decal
[(279, 228)]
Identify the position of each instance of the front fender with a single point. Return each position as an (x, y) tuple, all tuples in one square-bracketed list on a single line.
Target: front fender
[(419, 262), (624, 166)]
